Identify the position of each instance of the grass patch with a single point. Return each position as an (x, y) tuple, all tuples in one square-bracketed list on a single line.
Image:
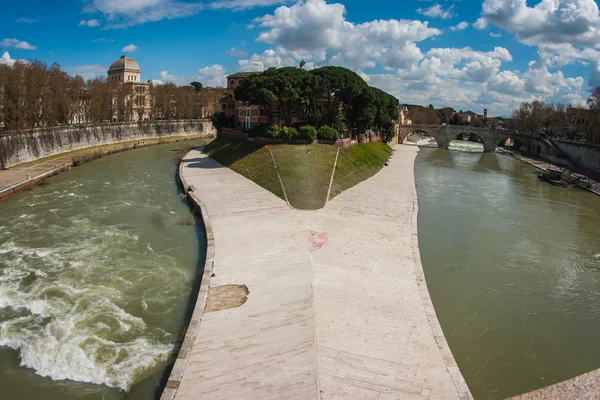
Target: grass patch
[(305, 169), (248, 159), (358, 163)]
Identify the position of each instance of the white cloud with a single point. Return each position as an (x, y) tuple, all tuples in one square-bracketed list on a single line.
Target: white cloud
[(26, 20), (564, 31), (103, 40), (459, 77), (236, 52), (480, 24), (436, 11), (495, 35), (460, 26), (558, 55), (165, 77), (208, 76), (550, 21), (122, 13), (17, 44), (87, 71), (211, 76), (268, 59), (506, 82), (92, 23), (318, 31), (538, 80), (5, 59), (244, 4), (129, 48)]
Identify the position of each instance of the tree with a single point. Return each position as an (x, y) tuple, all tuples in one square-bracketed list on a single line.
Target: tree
[(219, 120), (197, 86)]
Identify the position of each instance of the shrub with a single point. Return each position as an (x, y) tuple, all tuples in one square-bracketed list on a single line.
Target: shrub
[(219, 120), (308, 132), (327, 133), (273, 132), (289, 133)]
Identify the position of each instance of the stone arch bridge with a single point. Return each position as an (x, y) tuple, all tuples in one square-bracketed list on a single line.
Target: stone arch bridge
[(444, 134)]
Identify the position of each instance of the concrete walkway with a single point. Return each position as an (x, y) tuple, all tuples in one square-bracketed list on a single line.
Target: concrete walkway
[(337, 306)]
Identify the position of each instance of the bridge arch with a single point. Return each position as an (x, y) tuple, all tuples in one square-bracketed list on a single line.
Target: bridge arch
[(469, 136), (414, 132), (444, 134)]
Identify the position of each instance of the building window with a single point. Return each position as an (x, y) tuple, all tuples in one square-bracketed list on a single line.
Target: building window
[(254, 112)]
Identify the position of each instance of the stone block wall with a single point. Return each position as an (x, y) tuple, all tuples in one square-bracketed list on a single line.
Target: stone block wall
[(30, 145), (587, 156)]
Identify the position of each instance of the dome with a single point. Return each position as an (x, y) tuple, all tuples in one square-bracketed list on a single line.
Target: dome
[(124, 63)]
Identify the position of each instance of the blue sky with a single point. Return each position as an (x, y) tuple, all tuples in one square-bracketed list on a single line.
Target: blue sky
[(464, 54)]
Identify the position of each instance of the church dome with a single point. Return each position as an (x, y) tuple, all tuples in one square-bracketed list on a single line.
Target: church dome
[(124, 63)]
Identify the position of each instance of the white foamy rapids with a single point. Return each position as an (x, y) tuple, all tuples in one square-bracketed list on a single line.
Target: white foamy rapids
[(62, 351), (70, 308), (463, 145)]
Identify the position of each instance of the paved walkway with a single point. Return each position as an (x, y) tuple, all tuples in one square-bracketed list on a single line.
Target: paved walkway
[(337, 305)]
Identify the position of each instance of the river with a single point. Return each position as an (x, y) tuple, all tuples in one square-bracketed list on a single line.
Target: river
[(96, 273), (513, 268)]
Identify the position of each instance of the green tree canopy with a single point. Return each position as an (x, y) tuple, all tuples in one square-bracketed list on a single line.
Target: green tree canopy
[(364, 107)]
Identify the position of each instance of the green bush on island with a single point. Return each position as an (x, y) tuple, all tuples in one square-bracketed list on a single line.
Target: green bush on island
[(308, 133), (289, 133), (273, 132), (327, 133)]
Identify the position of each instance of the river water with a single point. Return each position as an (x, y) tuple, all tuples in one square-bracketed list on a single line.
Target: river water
[(513, 268), (96, 273)]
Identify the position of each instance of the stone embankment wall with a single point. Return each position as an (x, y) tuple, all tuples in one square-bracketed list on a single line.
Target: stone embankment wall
[(586, 156), (30, 145)]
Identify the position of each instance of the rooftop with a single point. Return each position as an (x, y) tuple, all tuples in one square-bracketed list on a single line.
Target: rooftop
[(124, 63), (241, 75)]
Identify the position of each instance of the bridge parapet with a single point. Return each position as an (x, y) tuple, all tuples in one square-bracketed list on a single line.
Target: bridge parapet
[(444, 134)]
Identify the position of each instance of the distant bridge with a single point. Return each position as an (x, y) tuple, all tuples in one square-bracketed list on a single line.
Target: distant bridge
[(444, 134)]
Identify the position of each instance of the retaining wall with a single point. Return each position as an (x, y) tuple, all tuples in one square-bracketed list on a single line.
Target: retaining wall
[(30, 145), (586, 156), (228, 133)]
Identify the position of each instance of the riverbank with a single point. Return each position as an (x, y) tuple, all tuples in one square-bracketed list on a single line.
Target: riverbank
[(543, 165), (327, 313), (84, 261), (25, 176)]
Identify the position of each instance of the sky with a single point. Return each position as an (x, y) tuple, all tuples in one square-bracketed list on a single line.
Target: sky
[(466, 54)]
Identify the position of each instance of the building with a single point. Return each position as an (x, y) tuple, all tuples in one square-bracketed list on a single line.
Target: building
[(133, 96), (208, 100), (243, 115), (403, 116)]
